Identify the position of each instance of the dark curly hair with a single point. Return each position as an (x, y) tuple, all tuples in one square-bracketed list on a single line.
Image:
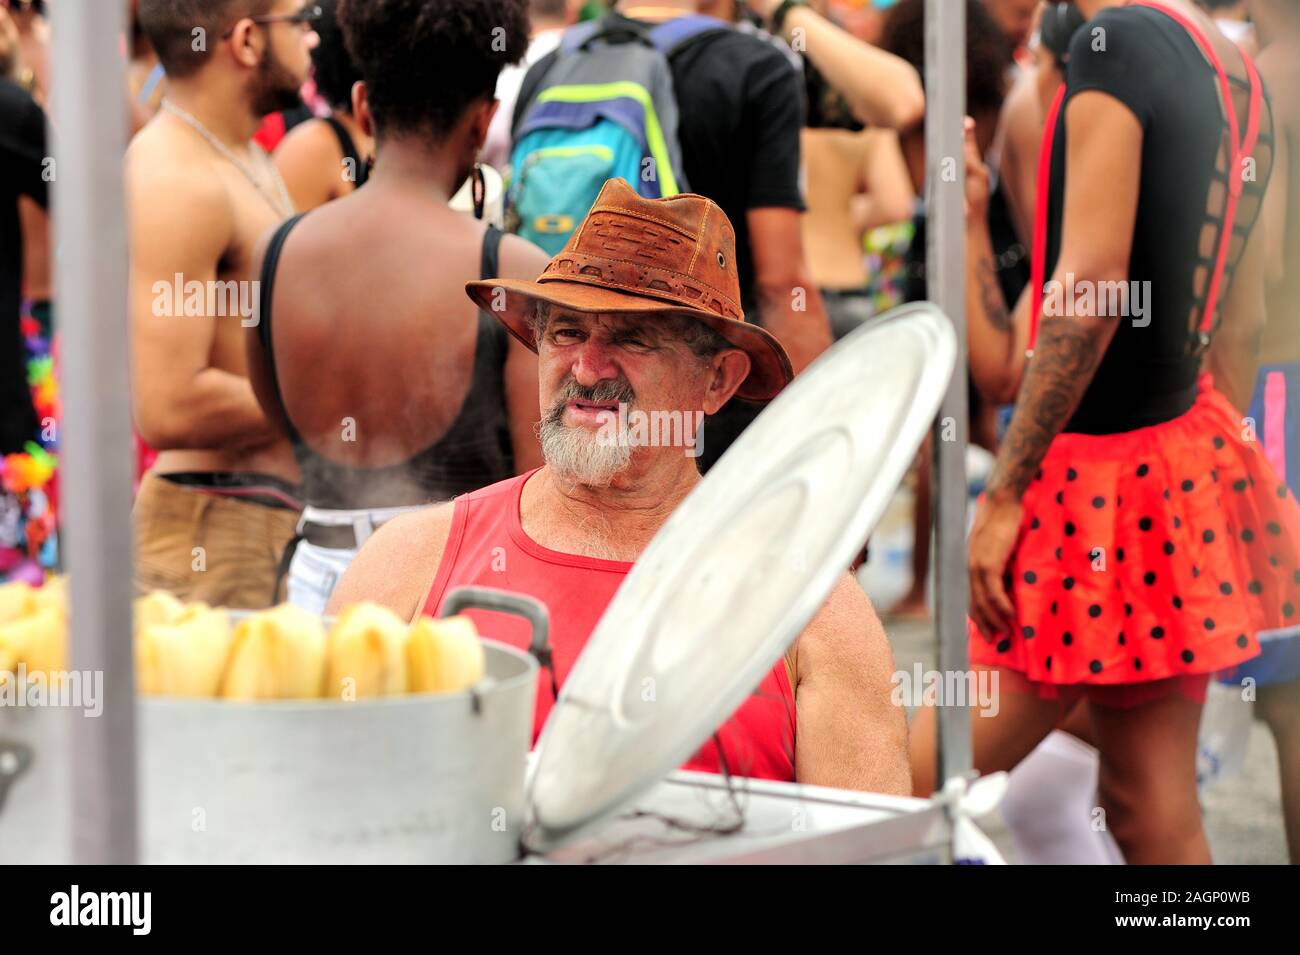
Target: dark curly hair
[(426, 61), (988, 51), (335, 72)]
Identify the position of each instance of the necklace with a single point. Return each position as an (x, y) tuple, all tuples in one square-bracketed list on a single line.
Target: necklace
[(278, 201)]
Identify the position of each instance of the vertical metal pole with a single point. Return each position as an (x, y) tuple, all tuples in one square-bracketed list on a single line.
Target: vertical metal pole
[(945, 178), (90, 122)]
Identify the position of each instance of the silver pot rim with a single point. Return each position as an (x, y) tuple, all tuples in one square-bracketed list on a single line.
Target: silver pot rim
[(409, 700)]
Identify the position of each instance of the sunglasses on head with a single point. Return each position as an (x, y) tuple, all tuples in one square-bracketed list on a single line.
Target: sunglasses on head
[(303, 18)]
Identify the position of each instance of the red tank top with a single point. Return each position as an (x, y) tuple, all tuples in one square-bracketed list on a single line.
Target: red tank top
[(487, 547)]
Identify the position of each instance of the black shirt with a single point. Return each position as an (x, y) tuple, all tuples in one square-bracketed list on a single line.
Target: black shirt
[(22, 156), (741, 107), (1156, 69)]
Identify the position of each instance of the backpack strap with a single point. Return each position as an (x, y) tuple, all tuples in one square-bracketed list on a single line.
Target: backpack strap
[(528, 90), (673, 36), (1038, 254), (612, 26), (577, 35)]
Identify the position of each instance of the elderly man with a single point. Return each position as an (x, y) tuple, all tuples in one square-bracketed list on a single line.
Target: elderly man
[(639, 314)]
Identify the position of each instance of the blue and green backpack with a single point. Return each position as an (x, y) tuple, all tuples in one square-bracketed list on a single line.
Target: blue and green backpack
[(601, 106)]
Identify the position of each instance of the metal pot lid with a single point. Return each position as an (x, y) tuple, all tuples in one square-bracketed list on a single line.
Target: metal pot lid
[(738, 571)]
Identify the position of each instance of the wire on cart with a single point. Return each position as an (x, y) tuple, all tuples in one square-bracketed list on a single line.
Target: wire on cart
[(695, 832)]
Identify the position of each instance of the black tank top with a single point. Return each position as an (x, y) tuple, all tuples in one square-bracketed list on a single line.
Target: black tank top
[(350, 151), (1154, 67), (474, 452)]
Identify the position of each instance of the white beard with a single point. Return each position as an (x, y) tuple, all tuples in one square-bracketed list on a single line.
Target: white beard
[(578, 456)]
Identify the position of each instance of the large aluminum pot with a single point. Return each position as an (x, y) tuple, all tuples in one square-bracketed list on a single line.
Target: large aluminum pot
[(414, 779)]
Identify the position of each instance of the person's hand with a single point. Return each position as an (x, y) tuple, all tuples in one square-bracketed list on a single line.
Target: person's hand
[(977, 176), (992, 539)]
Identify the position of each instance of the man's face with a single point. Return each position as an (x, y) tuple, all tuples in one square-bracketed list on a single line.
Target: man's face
[(589, 366), (287, 62)]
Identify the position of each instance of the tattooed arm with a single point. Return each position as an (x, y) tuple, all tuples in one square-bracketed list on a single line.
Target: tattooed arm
[(1065, 359), (995, 336), (1103, 165)]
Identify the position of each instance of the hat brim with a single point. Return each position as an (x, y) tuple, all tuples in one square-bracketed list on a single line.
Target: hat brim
[(512, 303)]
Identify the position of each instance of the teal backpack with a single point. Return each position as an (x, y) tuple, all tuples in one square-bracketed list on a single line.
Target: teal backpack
[(601, 106)]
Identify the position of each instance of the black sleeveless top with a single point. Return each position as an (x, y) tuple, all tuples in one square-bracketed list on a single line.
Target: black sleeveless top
[(1155, 68), (350, 151), (474, 452)]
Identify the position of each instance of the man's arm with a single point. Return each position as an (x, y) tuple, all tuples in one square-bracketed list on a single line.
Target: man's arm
[(882, 89), (789, 303), (180, 400), (790, 306), (396, 567), (1103, 167), (849, 732), (1103, 164), (884, 195), (1277, 198), (995, 334), (302, 157), (1020, 128), (1233, 357)]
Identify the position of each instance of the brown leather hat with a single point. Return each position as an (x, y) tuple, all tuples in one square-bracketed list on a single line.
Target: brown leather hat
[(633, 255)]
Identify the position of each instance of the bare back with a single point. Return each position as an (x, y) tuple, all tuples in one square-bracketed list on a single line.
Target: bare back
[(374, 337)]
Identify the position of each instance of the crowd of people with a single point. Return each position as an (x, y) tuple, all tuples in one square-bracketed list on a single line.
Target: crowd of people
[(395, 266)]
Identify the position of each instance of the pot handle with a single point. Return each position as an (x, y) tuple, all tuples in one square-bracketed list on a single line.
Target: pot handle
[(519, 605)]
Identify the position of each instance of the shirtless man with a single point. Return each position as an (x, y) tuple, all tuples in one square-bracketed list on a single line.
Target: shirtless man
[(215, 513)]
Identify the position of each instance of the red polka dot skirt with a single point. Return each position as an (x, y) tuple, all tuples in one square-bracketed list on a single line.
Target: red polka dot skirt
[(1151, 554)]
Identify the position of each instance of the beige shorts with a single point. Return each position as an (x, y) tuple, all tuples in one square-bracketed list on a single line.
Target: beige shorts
[(199, 546)]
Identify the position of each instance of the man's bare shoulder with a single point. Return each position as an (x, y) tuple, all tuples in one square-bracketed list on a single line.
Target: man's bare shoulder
[(165, 161), (397, 565), (520, 259), (846, 628)]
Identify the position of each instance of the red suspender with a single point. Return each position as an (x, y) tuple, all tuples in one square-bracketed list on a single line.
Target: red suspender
[(1038, 261), (1240, 146)]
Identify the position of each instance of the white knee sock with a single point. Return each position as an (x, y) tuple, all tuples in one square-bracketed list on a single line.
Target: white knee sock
[(1051, 803)]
